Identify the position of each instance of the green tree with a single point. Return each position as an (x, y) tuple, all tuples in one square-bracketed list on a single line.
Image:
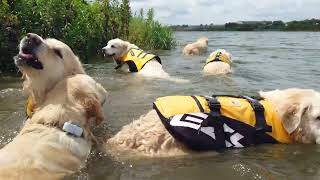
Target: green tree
[(141, 13), (8, 36), (125, 17), (150, 15)]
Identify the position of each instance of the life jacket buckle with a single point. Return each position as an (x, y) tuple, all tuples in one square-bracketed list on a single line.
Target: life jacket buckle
[(255, 104), (258, 108), (264, 129), (214, 106)]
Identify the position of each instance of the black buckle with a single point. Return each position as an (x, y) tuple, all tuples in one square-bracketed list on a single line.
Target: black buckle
[(256, 106), (214, 106)]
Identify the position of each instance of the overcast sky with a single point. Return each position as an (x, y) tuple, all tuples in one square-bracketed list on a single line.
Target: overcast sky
[(222, 11)]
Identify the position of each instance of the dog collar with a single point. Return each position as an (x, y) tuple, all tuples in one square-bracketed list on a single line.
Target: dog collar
[(72, 129)]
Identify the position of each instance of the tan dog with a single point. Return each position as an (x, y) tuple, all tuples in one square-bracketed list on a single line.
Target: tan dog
[(57, 139), (298, 109), (218, 63), (197, 48), (132, 59)]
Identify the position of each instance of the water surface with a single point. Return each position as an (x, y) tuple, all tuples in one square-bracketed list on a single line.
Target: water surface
[(262, 61)]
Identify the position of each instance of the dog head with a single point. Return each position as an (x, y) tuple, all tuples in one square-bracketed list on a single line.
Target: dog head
[(203, 40), (44, 62), (117, 48), (299, 110)]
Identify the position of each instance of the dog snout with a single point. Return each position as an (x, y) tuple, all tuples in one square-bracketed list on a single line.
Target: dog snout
[(104, 50), (34, 38), (99, 51), (30, 43)]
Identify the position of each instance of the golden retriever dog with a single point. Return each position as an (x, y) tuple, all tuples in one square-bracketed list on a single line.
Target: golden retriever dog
[(298, 111), (197, 48), (56, 140), (218, 62), (43, 63), (130, 58)]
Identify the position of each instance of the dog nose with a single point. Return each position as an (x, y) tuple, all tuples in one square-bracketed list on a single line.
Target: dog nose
[(103, 50), (35, 38)]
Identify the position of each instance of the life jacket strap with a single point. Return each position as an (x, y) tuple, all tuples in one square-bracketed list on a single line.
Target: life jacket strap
[(214, 106), (198, 103), (119, 64), (261, 124), (216, 59)]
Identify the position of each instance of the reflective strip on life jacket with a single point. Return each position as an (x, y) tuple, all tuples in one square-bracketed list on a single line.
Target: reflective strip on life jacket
[(137, 59)]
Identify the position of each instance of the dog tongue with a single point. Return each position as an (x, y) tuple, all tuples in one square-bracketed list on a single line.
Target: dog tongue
[(26, 56)]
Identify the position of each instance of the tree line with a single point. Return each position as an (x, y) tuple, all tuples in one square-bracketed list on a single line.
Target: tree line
[(305, 25)]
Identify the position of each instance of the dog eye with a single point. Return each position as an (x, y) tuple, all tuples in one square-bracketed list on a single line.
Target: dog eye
[(112, 46), (58, 53), (318, 118)]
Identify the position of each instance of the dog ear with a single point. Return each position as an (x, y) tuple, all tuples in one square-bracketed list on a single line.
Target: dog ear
[(93, 109), (125, 45), (91, 105), (293, 116)]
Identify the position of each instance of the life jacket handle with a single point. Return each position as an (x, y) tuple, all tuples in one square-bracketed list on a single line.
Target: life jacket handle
[(261, 125)]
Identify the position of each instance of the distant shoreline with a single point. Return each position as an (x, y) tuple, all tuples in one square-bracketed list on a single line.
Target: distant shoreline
[(309, 25), (245, 31)]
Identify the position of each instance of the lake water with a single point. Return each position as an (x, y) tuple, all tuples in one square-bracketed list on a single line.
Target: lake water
[(262, 61)]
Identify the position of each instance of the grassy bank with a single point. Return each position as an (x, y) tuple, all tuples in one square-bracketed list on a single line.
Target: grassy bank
[(85, 27)]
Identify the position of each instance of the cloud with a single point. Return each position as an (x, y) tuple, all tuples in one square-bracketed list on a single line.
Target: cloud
[(220, 12)]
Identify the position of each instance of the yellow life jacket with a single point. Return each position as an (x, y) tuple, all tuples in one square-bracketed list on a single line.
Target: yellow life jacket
[(218, 56), (29, 107), (212, 123), (136, 59)]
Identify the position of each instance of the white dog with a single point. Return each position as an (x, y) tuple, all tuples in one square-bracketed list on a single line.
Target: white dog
[(197, 48), (130, 58), (218, 63), (56, 139), (291, 115)]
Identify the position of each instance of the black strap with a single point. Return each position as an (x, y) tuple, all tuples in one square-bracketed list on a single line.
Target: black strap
[(261, 124), (236, 96), (140, 53), (214, 106), (198, 103), (132, 66), (119, 64), (216, 59)]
